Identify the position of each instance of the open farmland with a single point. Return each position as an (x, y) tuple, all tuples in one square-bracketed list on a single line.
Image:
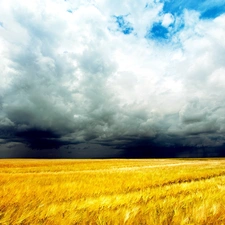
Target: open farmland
[(145, 191)]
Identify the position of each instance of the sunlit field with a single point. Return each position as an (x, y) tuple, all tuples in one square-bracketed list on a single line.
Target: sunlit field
[(152, 191)]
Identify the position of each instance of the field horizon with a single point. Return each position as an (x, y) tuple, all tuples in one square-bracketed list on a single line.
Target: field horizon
[(112, 191)]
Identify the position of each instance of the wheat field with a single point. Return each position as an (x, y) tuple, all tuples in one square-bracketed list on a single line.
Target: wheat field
[(116, 191)]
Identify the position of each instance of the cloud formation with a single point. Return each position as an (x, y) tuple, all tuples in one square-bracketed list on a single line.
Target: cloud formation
[(150, 74)]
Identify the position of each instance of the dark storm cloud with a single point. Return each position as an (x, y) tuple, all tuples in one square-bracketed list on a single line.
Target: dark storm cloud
[(76, 81), (40, 139)]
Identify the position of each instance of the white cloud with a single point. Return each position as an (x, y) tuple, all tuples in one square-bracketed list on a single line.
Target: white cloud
[(167, 19), (72, 74)]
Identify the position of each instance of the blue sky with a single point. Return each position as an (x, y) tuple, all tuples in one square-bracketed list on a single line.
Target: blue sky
[(123, 26), (206, 9), (116, 75)]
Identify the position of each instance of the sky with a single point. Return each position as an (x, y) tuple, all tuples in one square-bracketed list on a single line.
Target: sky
[(105, 79)]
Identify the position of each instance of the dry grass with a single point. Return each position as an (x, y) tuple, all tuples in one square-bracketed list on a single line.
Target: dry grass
[(169, 191)]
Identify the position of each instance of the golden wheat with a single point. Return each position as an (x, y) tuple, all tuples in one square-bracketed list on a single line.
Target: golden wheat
[(152, 191)]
